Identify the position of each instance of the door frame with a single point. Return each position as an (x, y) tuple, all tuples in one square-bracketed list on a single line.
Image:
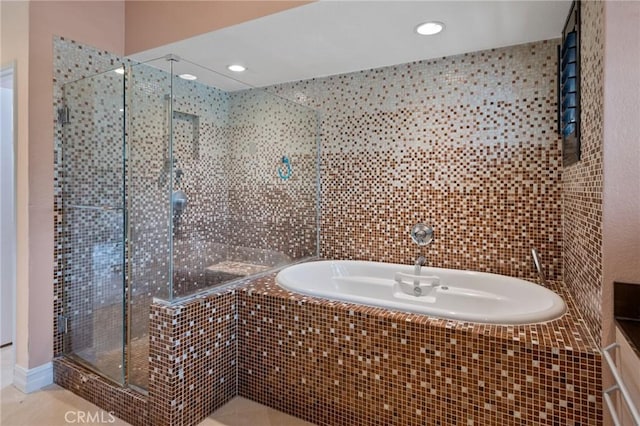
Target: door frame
[(9, 231)]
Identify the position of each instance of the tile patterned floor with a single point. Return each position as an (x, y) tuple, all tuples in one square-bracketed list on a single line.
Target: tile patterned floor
[(55, 406)]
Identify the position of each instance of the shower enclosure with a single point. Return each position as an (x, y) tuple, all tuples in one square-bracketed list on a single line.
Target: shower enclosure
[(170, 187)]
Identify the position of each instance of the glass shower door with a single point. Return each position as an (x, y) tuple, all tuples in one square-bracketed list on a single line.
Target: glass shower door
[(93, 174)]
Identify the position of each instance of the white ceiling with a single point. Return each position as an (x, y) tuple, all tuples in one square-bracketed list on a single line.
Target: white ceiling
[(335, 37)]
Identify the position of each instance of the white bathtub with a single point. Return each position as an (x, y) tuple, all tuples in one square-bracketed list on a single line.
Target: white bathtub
[(446, 293)]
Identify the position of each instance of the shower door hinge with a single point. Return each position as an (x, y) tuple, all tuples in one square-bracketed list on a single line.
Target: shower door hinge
[(63, 115), (63, 324)]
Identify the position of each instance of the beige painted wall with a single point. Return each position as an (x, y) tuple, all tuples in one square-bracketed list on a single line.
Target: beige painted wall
[(15, 50), (621, 168), (621, 198), (155, 23)]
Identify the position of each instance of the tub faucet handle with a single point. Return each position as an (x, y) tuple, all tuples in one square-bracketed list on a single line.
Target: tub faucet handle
[(422, 234)]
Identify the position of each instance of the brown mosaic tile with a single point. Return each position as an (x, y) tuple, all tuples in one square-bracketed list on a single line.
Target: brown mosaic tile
[(192, 358), (89, 169), (467, 143), (337, 363), (122, 402), (582, 182)]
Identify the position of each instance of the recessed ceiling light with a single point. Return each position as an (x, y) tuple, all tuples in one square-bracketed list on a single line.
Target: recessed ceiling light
[(187, 76), (236, 68), (430, 28), (119, 71)]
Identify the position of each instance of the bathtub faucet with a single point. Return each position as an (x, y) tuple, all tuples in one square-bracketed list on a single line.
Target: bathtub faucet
[(538, 265), (420, 262)]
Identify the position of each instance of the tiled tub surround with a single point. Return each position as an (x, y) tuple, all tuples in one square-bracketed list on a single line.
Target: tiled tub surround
[(336, 363), (468, 143)]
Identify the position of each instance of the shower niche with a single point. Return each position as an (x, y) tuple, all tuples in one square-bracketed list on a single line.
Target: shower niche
[(170, 188)]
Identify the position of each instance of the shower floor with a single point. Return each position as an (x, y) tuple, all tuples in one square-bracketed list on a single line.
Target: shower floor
[(109, 363)]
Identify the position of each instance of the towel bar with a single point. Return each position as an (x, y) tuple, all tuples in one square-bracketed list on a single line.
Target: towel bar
[(618, 386)]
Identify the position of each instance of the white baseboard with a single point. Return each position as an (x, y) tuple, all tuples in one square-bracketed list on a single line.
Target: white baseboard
[(31, 380)]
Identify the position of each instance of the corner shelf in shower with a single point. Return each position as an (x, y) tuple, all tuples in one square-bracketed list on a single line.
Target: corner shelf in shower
[(238, 268)]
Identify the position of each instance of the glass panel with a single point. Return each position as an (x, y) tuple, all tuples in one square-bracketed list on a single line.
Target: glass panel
[(206, 200), (149, 178), (221, 183), (273, 182), (244, 193), (200, 152), (93, 220)]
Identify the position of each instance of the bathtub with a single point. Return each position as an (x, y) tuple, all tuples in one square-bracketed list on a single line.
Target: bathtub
[(445, 293)]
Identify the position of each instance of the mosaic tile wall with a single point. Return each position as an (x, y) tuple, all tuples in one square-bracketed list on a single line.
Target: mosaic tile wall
[(266, 210), (582, 182), (226, 149), (199, 146), (192, 358), (467, 143), (122, 402), (335, 363), (85, 250)]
